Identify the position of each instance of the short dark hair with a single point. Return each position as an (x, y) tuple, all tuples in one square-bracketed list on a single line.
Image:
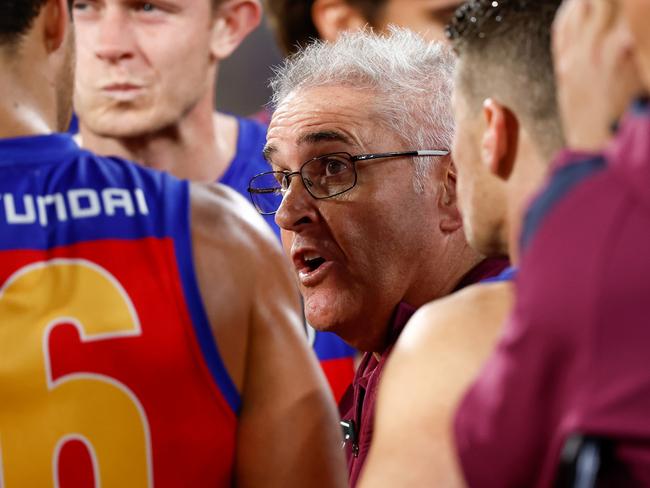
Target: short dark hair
[(504, 50), (293, 25), (16, 18)]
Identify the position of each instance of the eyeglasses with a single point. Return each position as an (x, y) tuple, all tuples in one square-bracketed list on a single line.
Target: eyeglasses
[(324, 177)]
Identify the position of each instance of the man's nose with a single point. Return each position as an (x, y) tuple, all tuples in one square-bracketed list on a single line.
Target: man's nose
[(298, 207), (114, 37)]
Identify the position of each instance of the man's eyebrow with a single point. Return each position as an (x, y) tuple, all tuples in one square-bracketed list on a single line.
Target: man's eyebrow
[(323, 136), (310, 138), (268, 152)]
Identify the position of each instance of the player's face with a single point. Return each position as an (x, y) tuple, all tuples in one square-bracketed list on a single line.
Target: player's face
[(427, 17), (478, 190), (637, 13), (356, 255), (141, 66)]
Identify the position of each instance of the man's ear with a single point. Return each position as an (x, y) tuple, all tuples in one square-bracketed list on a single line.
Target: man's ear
[(500, 139), (332, 17), (450, 217), (233, 21), (56, 22)]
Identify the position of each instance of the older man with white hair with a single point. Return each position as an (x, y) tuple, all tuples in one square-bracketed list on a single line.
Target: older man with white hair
[(363, 188)]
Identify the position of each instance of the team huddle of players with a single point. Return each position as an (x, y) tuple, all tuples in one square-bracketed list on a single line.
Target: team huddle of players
[(464, 220)]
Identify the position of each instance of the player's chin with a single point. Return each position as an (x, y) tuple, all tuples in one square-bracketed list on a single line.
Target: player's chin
[(124, 123)]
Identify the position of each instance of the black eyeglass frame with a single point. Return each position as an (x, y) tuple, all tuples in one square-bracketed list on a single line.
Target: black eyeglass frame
[(288, 175)]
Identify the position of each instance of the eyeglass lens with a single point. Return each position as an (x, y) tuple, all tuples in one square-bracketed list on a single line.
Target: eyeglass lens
[(323, 177)]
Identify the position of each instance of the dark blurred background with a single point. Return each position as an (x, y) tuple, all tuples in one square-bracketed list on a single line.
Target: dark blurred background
[(242, 87)]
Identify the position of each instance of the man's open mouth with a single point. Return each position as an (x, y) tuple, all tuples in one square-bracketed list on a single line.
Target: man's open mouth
[(311, 267), (312, 263)]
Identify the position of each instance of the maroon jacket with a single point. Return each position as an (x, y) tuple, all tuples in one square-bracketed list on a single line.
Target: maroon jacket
[(573, 358), (357, 407)]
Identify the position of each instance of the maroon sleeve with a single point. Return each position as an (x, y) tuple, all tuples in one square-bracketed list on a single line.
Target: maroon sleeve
[(511, 424), (573, 357), (503, 423)]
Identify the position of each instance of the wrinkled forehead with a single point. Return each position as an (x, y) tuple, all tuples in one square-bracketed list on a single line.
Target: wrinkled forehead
[(332, 100), (340, 118)]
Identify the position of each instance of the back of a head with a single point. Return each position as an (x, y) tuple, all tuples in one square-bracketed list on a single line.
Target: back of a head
[(504, 51), (293, 23), (40, 51), (16, 18), (411, 78)]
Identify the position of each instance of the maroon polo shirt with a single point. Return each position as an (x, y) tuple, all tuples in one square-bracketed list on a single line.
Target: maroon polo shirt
[(575, 354), (358, 402)]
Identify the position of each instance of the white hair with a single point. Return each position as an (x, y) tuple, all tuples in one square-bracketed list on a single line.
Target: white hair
[(412, 80)]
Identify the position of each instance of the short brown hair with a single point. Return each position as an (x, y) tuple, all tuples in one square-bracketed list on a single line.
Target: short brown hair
[(293, 25), (504, 51)]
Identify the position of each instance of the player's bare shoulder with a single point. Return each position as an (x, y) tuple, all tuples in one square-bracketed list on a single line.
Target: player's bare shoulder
[(235, 252), (437, 355), (233, 247), (239, 268), (471, 318), (225, 218)]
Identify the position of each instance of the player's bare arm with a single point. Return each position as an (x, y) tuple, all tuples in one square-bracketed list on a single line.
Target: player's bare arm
[(288, 432), (438, 355)]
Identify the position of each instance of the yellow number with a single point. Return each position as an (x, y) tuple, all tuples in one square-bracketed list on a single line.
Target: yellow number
[(37, 414)]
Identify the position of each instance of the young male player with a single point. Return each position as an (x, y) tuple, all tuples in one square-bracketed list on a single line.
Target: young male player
[(148, 327)]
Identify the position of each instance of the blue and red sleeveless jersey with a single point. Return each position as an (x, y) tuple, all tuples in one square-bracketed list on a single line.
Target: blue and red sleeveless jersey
[(109, 373)]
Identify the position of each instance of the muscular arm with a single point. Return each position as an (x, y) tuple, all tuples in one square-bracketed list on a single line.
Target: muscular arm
[(288, 431), (438, 355)]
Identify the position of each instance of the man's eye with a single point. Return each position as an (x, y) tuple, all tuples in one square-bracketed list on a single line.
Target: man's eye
[(80, 6), (146, 7), (334, 167)]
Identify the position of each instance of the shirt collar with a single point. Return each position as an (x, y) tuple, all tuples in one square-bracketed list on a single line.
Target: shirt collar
[(488, 268), (401, 316)]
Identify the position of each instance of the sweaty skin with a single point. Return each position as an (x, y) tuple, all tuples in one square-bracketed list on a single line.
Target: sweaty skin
[(435, 361), (288, 431)]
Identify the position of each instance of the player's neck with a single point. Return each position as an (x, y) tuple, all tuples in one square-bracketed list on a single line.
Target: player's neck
[(200, 147), (531, 172), (22, 120), (24, 110)]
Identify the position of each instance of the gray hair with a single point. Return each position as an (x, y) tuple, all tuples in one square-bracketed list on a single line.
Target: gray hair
[(412, 79)]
